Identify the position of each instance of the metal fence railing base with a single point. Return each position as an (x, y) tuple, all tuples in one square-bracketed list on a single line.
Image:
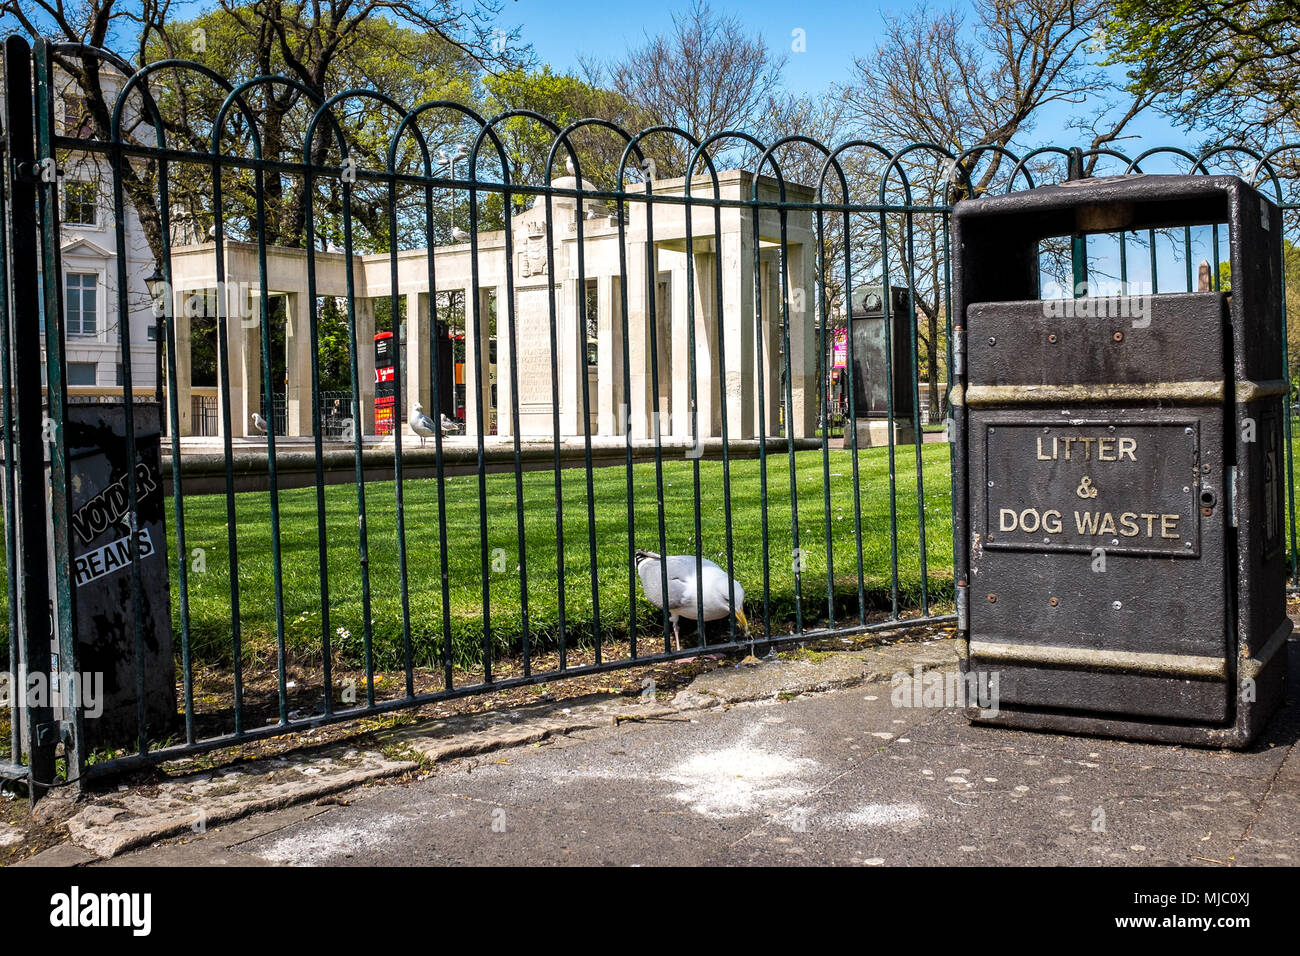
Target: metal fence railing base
[(115, 767)]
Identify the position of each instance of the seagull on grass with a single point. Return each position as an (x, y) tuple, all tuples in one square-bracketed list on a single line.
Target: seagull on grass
[(422, 424), (683, 591)]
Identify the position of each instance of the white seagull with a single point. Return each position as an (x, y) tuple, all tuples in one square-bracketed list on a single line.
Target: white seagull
[(682, 589), (459, 234), (259, 423), (422, 424), (449, 426)]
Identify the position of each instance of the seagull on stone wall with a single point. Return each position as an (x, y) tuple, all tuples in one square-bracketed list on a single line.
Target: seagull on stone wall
[(259, 423), (449, 426), (682, 589), (422, 424)]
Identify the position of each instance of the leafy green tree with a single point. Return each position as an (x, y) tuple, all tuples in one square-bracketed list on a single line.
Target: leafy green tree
[(1230, 66), (564, 99), (1291, 278), (399, 46), (406, 65)]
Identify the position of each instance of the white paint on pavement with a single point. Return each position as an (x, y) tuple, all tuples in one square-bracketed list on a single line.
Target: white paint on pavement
[(321, 842)]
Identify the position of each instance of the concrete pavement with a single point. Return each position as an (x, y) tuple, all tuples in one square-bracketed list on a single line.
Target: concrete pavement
[(838, 776)]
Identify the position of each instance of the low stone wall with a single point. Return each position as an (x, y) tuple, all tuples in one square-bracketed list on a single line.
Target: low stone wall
[(204, 472)]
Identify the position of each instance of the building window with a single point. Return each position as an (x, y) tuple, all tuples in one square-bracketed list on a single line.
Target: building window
[(80, 302), (76, 118), (81, 373), (80, 204)]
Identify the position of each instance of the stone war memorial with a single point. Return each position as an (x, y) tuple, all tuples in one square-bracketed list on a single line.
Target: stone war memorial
[(616, 401)]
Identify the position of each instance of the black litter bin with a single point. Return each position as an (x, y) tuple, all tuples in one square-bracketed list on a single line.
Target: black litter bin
[(1119, 468)]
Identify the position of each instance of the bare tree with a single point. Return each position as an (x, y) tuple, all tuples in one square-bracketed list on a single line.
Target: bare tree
[(936, 78), (707, 75)]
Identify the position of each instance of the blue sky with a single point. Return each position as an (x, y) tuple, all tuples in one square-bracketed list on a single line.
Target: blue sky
[(835, 33)]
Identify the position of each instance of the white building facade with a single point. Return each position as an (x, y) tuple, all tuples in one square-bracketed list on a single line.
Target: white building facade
[(89, 284)]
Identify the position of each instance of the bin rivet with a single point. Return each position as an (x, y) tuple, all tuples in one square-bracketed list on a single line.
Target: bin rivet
[(993, 599), (992, 340), (1052, 601), (1116, 605), (1052, 338), (1118, 336)]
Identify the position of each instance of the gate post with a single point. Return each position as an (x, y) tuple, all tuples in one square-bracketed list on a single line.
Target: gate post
[(60, 491), (33, 578)]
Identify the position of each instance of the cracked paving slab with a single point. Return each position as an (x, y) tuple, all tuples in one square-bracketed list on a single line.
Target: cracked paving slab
[(116, 822)]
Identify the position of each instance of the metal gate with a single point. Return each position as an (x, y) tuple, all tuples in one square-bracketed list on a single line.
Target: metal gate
[(659, 352)]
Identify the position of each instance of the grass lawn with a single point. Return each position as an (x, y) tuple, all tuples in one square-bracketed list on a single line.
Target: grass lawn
[(210, 609), (210, 615)]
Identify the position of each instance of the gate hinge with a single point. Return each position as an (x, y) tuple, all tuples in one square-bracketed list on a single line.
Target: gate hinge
[(1232, 495), (48, 733), (962, 607), (25, 171), (959, 351), (36, 171)]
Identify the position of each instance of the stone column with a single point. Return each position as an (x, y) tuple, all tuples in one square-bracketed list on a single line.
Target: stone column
[(612, 399), (297, 364), (677, 375), (666, 296), (639, 278), (573, 355), (707, 391), (181, 325), (417, 370), (364, 310), (738, 314), (803, 342), (478, 388), (770, 361), (505, 397), (244, 344)]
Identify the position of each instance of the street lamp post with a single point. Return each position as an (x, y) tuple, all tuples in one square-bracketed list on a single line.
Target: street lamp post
[(155, 282)]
